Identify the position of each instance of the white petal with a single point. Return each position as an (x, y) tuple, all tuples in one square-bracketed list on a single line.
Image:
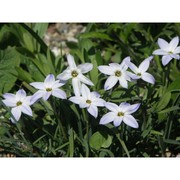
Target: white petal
[(9, 103), (83, 104), (9, 96), (106, 70), (160, 52), (133, 76), (123, 65), (174, 43), (132, 66), (86, 67), (112, 107), (117, 121), (124, 105), (162, 43), (39, 94), (123, 82), (143, 67), (27, 100), (148, 78), (109, 117), (129, 109), (175, 56), (26, 109), (95, 94), (71, 61), (130, 121), (85, 80), (65, 75), (166, 59), (110, 82), (57, 84), (115, 66), (85, 92), (177, 50), (16, 112), (76, 86), (20, 94), (46, 95), (93, 110), (49, 80), (59, 93), (99, 102), (38, 85), (76, 100)]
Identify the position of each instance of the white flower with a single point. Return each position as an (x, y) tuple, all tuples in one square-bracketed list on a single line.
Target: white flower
[(50, 86), (20, 103), (76, 73), (140, 73), (117, 72), (168, 50), (120, 113), (89, 100)]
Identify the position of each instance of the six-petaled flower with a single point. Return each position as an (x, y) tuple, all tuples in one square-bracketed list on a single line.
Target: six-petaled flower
[(168, 50), (76, 74), (20, 103)]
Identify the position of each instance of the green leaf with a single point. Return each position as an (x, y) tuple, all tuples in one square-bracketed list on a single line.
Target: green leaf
[(174, 108), (94, 72), (97, 35), (23, 75), (71, 142), (174, 86), (28, 41), (163, 101), (41, 28), (97, 141)]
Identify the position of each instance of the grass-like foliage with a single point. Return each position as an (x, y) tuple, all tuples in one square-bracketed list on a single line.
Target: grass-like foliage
[(115, 95)]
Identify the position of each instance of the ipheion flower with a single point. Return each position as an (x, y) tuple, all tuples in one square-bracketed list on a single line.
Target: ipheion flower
[(89, 100), (140, 72), (76, 74), (120, 113), (49, 87), (20, 103), (168, 50), (117, 72)]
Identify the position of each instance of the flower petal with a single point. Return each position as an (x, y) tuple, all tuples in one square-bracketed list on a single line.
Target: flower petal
[(130, 121), (39, 94), (93, 110), (76, 86), (85, 92), (132, 66), (109, 117), (117, 121), (174, 43), (110, 82), (175, 56), (148, 78), (49, 79), (99, 102), (177, 50), (112, 107), (58, 84), (143, 67), (76, 100), (123, 82), (132, 76), (160, 52), (26, 109), (85, 80), (9, 96), (65, 75), (16, 112), (46, 95), (163, 44), (129, 109), (106, 70), (166, 59), (9, 103), (86, 67), (59, 93), (38, 85), (71, 61), (21, 94), (95, 94)]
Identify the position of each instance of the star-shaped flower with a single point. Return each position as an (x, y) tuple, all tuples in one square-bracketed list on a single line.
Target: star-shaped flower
[(89, 100), (76, 74), (140, 72), (20, 103), (168, 50), (120, 113), (117, 72), (49, 87)]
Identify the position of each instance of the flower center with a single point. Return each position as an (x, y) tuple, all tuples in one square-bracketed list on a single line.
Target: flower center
[(74, 73), (18, 103), (170, 52), (88, 101), (48, 89), (139, 74), (120, 114), (118, 73)]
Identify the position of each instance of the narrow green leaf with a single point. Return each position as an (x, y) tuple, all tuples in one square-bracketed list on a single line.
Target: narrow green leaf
[(163, 101), (97, 35)]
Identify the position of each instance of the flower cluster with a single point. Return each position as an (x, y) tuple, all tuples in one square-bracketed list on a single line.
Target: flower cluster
[(20, 103)]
